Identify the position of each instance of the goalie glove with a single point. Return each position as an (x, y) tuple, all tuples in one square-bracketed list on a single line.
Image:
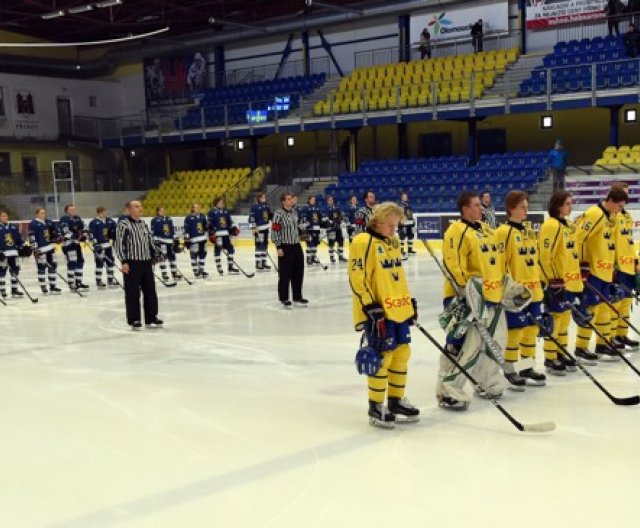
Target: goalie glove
[(375, 315), (368, 361)]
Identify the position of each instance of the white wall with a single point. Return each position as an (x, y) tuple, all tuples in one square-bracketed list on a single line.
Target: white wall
[(43, 124)]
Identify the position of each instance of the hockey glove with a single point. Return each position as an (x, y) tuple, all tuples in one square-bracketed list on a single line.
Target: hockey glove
[(585, 271), (414, 303), (37, 253), (213, 237), (375, 314), (25, 251), (580, 314), (235, 231), (187, 243), (176, 246), (368, 361), (636, 284)]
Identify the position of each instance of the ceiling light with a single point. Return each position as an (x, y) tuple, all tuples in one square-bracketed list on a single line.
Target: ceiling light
[(630, 115), (546, 122), (80, 9), (53, 14), (108, 3)]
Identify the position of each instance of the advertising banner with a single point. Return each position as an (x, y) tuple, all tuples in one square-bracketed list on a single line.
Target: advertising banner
[(543, 14), (456, 23), (174, 80)]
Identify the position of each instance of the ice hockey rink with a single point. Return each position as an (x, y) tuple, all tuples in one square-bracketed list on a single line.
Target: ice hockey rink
[(241, 414)]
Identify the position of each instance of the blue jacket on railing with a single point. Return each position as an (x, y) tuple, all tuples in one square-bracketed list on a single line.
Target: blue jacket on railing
[(558, 159)]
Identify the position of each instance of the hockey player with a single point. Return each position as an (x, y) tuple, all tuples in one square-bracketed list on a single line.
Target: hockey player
[(310, 224), (101, 232), (560, 272), (473, 261), (352, 209), (384, 309), (73, 234), (221, 229), (627, 268), (406, 227), (518, 245), (259, 221), (12, 247), (365, 212), (332, 221), (43, 236), (166, 239), (195, 240), (596, 240)]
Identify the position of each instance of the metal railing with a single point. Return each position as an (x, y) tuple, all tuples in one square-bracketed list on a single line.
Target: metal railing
[(289, 69), (439, 48), (598, 28)]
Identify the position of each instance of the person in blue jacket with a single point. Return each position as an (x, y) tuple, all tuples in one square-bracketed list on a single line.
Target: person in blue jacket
[(558, 165)]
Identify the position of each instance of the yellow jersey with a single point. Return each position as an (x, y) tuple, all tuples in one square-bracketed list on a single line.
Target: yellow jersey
[(558, 253), (469, 250), (595, 236), (376, 275), (518, 246), (625, 246)]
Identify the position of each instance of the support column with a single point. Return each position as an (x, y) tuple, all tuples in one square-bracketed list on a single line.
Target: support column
[(404, 39), (402, 140), (472, 140), (306, 54), (614, 122), (167, 162), (219, 66), (353, 149), (285, 55), (522, 18), (253, 153)]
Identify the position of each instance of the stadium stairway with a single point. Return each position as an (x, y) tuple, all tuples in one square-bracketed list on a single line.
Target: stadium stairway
[(306, 107), (317, 187), (516, 72)]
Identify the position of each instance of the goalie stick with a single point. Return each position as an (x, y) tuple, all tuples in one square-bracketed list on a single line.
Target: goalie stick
[(631, 400), (542, 427)]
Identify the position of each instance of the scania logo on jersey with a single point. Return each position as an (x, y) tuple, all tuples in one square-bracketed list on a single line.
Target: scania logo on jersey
[(626, 260), (492, 285), (568, 277), (533, 285), (396, 302), (604, 265)]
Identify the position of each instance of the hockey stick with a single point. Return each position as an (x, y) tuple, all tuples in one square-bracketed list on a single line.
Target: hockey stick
[(607, 341), (530, 428), (74, 290), (184, 277), (601, 296), (32, 299), (165, 284), (273, 262), (247, 275), (629, 292), (631, 400), (108, 261)]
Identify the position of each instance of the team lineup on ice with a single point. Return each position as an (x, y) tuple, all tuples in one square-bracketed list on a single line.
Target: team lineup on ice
[(520, 309)]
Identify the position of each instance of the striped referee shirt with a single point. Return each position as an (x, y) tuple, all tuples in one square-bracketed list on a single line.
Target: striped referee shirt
[(133, 241), (284, 229)]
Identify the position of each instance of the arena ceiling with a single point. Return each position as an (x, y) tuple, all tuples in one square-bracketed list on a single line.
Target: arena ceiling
[(82, 20)]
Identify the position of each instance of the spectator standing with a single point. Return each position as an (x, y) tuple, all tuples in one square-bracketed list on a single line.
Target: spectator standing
[(613, 10), (285, 236), (425, 44), (632, 41), (488, 211), (135, 249), (476, 35), (558, 165)]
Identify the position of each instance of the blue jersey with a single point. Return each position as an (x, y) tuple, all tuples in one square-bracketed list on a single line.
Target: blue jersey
[(351, 214), (333, 216), (10, 239), (162, 229), (100, 231), (260, 216), (220, 221), (71, 229), (195, 227), (312, 217), (42, 234)]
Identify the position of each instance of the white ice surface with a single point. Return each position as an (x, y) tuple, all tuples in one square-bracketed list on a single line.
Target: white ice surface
[(240, 414)]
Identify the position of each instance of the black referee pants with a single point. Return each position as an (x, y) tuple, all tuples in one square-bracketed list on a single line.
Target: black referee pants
[(290, 272), (140, 278)]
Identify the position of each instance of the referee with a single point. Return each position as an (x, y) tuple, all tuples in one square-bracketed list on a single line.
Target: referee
[(134, 247), (284, 233)]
